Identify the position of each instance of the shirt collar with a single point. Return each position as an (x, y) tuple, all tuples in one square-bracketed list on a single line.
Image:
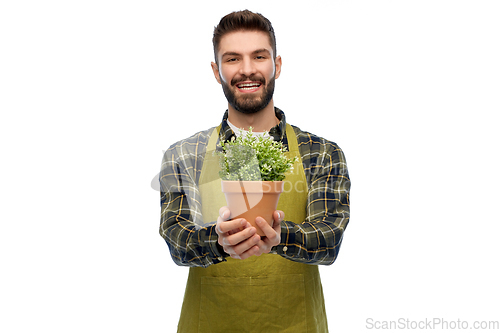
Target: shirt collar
[(277, 132)]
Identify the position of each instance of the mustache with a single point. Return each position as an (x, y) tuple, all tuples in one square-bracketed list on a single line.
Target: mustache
[(242, 78)]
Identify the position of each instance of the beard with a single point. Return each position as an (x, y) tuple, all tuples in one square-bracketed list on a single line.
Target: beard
[(249, 104)]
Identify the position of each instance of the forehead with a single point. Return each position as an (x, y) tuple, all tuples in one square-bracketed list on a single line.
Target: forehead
[(244, 42)]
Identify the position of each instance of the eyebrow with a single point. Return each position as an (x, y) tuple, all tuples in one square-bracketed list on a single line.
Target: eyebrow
[(231, 53)]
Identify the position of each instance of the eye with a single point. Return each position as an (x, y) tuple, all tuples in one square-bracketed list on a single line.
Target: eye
[(231, 60)]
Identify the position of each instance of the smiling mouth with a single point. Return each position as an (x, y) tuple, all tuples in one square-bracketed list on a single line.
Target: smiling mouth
[(248, 86)]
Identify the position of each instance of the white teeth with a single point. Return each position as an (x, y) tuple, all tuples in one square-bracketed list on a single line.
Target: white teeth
[(248, 86)]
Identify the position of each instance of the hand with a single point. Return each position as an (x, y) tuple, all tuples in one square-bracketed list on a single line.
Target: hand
[(237, 237), (273, 234)]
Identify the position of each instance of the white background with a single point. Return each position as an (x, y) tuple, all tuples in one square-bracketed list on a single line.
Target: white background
[(92, 92)]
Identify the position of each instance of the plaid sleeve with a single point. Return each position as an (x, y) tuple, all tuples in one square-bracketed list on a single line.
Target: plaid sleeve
[(191, 243), (317, 240)]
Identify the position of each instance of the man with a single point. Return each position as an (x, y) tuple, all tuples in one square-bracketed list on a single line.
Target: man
[(238, 280)]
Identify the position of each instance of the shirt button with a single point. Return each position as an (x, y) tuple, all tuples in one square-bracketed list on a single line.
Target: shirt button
[(285, 248), (219, 258)]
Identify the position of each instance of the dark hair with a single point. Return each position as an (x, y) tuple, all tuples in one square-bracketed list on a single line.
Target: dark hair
[(243, 20)]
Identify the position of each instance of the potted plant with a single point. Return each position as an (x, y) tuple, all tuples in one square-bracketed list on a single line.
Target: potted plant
[(252, 171)]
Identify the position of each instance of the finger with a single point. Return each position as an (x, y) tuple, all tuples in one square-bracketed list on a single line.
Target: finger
[(253, 251), (225, 226), (268, 231), (238, 237), (273, 235), (247, 248), (246, 226), (278, 216), (224, 213)]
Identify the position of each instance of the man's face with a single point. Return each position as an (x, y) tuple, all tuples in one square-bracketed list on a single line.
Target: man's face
[(247, 70)]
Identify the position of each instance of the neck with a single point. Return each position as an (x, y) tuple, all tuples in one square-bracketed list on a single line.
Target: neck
[(260, 121)]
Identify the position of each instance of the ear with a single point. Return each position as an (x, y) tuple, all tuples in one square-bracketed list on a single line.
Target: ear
[(215, 69), (277, 64)]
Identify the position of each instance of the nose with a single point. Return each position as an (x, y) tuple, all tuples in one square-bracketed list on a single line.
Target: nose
[(247, 67)]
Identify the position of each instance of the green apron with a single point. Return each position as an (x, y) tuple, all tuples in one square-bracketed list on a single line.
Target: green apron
[(263, 294)]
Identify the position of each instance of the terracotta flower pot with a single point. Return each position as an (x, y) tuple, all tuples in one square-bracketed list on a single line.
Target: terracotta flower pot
[(249, 199)]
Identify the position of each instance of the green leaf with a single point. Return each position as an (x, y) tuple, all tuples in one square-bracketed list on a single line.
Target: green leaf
[(250, 157)]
